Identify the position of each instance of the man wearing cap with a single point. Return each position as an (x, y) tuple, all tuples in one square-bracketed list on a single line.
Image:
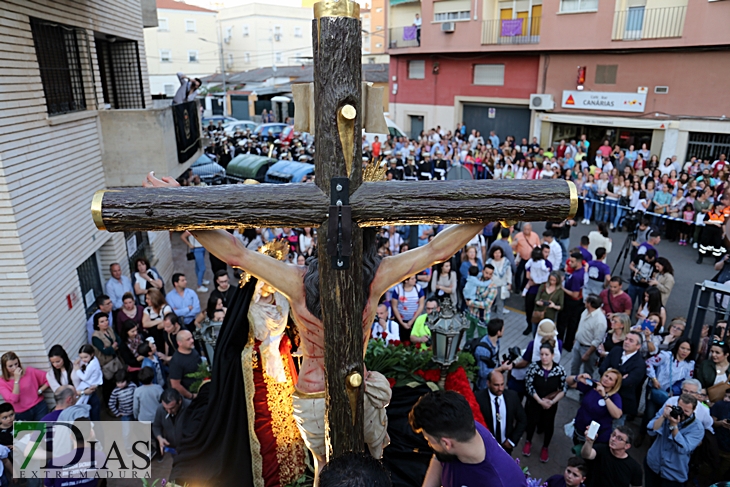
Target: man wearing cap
[(410, 172), (394, 170), (440, 167), (425, 171)]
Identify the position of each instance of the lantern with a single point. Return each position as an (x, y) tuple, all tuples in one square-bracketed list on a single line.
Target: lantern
[(447, 329)]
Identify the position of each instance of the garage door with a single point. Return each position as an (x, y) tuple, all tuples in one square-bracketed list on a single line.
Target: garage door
[(503, 119)]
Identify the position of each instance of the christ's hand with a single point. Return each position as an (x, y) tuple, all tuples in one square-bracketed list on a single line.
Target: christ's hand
[(165, 182)]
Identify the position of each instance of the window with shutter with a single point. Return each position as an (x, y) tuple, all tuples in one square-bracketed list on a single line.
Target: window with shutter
[(489, 74), (416, 69), (606, 74)]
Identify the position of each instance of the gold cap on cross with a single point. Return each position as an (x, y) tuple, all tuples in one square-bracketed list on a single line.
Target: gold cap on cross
[(336, 8)]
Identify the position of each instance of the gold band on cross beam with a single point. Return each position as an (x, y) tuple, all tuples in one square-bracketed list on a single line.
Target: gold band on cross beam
[(96, 209), (336, 8), (573, 200)]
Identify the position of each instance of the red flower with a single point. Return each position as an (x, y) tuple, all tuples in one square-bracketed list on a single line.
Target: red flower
[(395, 343), (384, 335), (432, 375), (407, 343), (458, 382), (391, 382)]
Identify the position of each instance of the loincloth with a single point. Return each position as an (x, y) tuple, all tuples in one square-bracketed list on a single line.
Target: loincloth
[(309, 413)]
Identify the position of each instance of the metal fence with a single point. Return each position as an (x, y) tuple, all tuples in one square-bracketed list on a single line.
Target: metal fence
[(524, 30), (59, 60), (639, 23), (402, 37), (708, 146)]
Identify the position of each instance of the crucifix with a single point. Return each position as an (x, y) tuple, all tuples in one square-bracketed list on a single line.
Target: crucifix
[(340, 204)]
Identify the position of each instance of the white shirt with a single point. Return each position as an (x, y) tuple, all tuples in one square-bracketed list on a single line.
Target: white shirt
[(556, 254), (393, 331), (625, 357), (501, 414), (417, 22)]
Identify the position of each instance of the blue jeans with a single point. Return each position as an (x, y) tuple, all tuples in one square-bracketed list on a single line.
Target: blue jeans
[(588, 208), (609, 211), (635, 292), (199, 253), (565, 247), (35, 413), (619, 214)]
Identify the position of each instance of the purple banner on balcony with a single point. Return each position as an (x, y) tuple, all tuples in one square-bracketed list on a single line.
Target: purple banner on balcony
[(409, 33), (511, 28)]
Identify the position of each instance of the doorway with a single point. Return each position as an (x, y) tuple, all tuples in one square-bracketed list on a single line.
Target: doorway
[(416, 126), (596, 135)]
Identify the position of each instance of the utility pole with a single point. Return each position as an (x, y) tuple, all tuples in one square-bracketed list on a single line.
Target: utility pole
[(223, 70)]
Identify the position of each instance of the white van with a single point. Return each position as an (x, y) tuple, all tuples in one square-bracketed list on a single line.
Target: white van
[(394, 130)]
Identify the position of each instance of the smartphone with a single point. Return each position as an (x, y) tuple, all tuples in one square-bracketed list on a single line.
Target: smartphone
[(648, 325), (593, 430)]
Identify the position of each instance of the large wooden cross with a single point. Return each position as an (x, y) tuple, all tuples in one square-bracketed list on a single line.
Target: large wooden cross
[(337, 109)]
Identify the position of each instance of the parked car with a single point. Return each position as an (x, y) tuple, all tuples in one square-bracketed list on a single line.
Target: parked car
[(217, 118), (393, 130), (242, 125), (248, 166), (276, 128), (288, 172), (209, 171)]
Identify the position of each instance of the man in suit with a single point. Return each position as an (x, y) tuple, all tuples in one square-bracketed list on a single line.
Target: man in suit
[(630, 363), (502, 411)]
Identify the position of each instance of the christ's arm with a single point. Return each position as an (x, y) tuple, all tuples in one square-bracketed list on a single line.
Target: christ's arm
[(283, 277), (396, 268)]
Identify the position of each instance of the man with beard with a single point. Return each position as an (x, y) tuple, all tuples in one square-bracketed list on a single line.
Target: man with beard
[(465, 452)]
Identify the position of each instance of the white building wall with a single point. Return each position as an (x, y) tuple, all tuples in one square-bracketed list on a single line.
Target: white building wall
[(253, 42), (171, 35), (50, 168)]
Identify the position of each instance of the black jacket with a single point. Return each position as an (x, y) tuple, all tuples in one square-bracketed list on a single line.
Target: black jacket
[(516, 417), (635, 371)]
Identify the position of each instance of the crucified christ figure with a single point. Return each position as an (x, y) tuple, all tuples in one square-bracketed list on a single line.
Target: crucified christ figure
[(300, 285)]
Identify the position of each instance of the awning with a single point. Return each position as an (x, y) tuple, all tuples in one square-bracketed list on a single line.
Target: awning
[(398, 2)]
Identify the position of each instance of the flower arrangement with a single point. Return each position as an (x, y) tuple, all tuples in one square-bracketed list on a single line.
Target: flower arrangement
[(201, 375), (406, 364)]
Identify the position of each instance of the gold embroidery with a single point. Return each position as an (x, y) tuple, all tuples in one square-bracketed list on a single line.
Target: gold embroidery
[(289, 444), (248, 364)]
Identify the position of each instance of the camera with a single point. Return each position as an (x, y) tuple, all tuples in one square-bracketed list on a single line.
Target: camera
[(514, 354), (676, 412)]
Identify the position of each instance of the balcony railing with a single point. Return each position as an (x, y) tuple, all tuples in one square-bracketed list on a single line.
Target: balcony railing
[(638, 23), (403, 37), (525, 30)]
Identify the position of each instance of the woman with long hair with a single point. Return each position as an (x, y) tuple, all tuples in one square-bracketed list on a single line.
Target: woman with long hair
[(106, 342), (444, 282), (589, 194), (545, 382), (87, 375), (501, 278), (469, 258), (550, 296), (145, 279), (663, 278), (153, 315), (652, 304), (23, 388), (665, 372), (601, 403), (717, 369), (620, 324), (61, 368), (537, 272)]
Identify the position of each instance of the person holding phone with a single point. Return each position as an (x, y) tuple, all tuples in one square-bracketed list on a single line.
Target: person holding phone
[(611, 465), (600, 403)]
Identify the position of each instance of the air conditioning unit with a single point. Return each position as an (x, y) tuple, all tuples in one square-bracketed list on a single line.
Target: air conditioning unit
[(661, 90), (541, 102), (448, 27)]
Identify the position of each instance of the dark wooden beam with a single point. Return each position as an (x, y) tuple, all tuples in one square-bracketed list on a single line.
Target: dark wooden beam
[(337, 82), (406, 203), (195, 208)]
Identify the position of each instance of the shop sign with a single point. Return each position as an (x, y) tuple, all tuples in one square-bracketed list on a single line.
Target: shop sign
[(609, 101)]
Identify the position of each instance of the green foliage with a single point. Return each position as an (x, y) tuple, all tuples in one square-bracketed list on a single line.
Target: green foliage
[(199, 375), (466, 360)]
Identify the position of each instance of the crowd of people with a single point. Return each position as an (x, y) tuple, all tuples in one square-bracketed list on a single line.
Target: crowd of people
[(624, 350)]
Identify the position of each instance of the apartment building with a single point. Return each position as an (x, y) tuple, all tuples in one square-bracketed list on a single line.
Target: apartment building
[(627, 71), (186, 39), (372, 16), (265, 34), (75, 118)]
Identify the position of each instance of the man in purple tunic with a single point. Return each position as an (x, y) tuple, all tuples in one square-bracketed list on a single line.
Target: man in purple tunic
[(465, 452)]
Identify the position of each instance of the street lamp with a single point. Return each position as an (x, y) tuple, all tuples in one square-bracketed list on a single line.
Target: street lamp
[(223, 73), (447, 329)]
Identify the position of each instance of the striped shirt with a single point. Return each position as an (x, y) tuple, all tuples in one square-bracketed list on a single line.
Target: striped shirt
[(121, 402)]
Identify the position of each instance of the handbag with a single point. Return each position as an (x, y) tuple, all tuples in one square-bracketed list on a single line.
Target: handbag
[(111, 367), (504, 292), (717, 392), (190, 255), (537, 316)]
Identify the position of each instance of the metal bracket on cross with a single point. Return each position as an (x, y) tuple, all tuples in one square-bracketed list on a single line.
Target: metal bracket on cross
[(339, 229)]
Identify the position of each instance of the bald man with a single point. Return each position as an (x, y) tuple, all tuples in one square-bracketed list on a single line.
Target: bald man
[(503, 406), (185, 361), (64, 396)]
